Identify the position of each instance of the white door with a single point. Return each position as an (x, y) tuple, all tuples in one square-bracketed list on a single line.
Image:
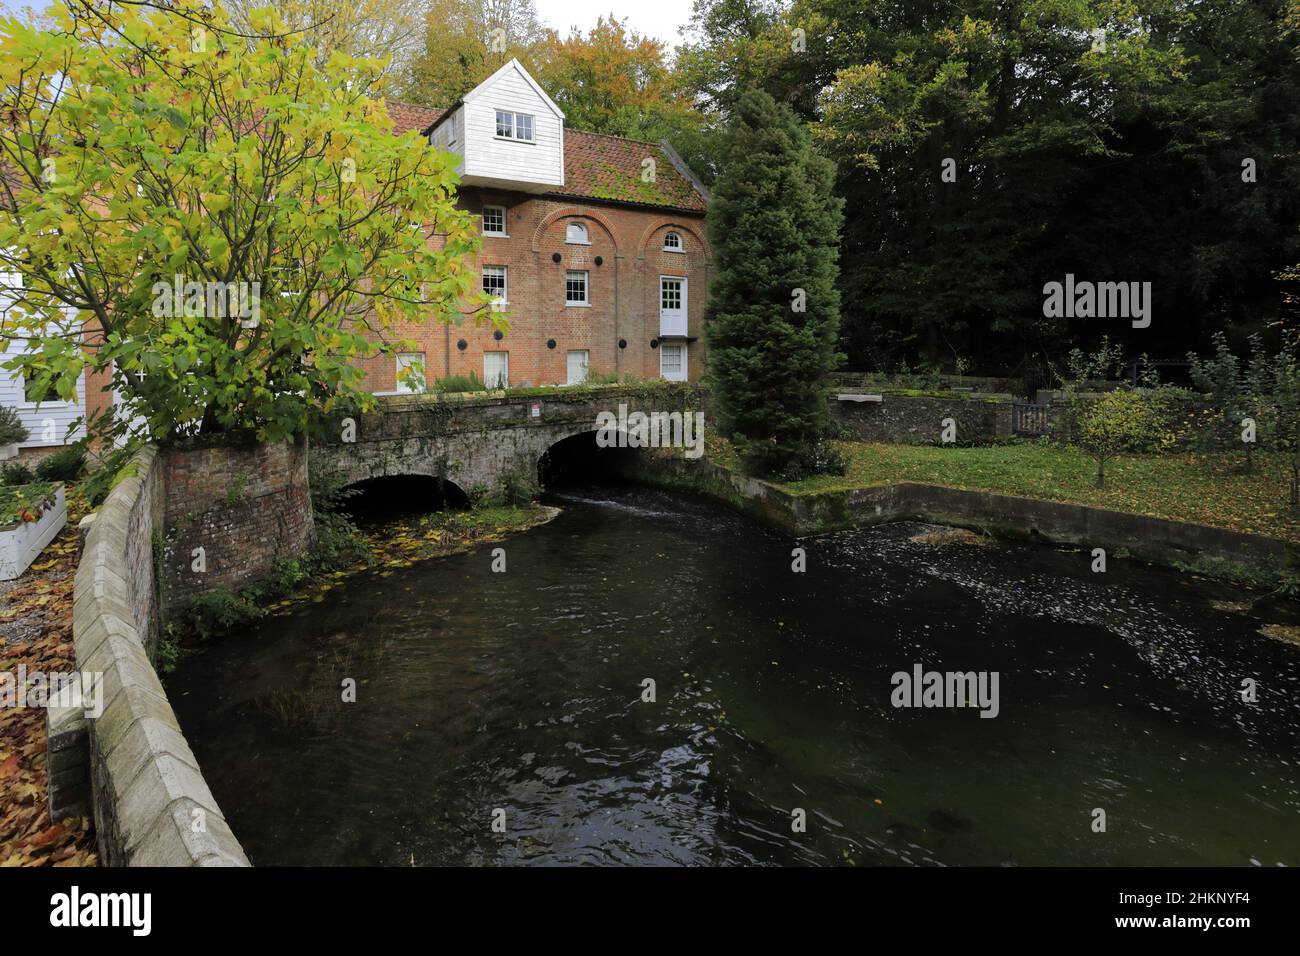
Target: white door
[(496, 369), (672, 362), (577, 367), (672, 305)]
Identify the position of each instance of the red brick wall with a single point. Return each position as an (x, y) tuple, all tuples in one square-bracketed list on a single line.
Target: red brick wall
[(623, 292), (247, 507), (99, 385)]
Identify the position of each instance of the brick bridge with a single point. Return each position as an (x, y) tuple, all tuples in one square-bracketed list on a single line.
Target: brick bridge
[(483, 443)]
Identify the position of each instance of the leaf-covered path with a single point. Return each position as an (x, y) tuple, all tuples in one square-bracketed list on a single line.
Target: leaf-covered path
[(36, 630)]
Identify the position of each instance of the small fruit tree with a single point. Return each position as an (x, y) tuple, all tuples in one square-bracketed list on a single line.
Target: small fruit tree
[(1115, 422)]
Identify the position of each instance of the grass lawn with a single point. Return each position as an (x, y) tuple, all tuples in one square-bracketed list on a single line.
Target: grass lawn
[(1200, 488)]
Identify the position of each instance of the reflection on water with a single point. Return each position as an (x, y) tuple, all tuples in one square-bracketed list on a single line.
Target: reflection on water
[(522, 691)]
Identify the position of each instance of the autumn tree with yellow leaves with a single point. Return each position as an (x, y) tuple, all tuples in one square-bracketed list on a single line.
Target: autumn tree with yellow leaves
[(158, 148)]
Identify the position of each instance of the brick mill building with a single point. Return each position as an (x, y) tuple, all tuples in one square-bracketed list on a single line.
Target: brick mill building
[(594, 244)]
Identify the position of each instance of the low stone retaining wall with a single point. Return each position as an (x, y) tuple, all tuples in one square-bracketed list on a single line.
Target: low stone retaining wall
[(918, 419), (1156, 540), (151, 804)]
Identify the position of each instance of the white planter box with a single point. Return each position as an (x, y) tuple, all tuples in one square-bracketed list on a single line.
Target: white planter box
[(22, 541), (8, 451)]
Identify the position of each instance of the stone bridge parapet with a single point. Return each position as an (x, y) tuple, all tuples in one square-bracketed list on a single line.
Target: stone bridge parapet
[(482, 443)]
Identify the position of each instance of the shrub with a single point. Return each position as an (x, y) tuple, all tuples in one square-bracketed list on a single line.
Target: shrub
[(13, 473), (12, 428), (64, 465), (25, 502), (1084, 371), (517, 488), (819, 458), (217, 613), (1235, 390), (337, 544), (1285, 392), (459, 383)]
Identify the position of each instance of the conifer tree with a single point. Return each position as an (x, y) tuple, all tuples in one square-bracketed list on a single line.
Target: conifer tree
[(774, 307)]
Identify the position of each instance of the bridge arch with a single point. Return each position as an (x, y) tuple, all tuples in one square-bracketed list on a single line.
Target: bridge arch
[(578, 455), (383, 498)]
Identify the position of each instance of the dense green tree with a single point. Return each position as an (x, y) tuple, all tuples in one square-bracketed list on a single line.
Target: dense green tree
[(773, 313), (1100, 138), (730, 46)]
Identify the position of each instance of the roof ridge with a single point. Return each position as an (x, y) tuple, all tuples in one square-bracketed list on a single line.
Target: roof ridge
[(415, 106), (567, 127), (626, 139)]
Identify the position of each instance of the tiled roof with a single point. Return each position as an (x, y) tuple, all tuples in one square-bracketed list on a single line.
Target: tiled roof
[(407, 117), (596, 166)]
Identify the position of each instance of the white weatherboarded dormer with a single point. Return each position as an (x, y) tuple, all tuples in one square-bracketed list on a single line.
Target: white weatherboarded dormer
[(508, 133)]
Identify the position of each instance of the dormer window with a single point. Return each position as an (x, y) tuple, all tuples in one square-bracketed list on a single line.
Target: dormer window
[(576, 234), (514, 126), (673, 242)]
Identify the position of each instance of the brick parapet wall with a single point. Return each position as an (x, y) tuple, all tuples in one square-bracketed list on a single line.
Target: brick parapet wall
[(246, 507)]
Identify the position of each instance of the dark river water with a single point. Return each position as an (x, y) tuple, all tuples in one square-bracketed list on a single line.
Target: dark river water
[(522, 692)]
